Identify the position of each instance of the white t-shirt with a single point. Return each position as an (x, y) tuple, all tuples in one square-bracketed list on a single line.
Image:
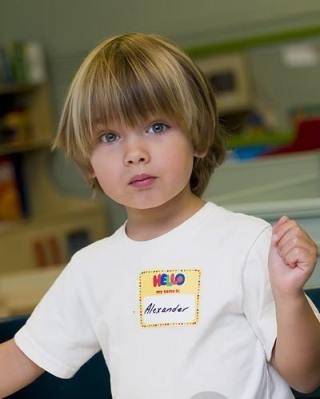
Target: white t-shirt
[(189, 314)]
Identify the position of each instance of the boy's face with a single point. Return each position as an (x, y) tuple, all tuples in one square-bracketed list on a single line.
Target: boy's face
[(142, 167)]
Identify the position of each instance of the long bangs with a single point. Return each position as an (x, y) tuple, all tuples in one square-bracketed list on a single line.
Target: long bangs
[(127, 80), (132, 78), (130, 90)]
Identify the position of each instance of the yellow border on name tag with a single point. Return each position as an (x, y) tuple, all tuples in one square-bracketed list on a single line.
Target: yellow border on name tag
[(169, 283)]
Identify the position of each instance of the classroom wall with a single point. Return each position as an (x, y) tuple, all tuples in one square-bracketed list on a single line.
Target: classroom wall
[(69, 28), (284, 87)]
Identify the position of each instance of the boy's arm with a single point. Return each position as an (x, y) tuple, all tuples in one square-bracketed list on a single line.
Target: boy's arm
[(296, 354), (16, 369)]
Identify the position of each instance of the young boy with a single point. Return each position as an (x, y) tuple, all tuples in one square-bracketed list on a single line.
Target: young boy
[(186, 299)]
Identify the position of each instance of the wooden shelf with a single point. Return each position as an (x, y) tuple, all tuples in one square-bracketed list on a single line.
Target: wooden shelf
[(57, 235), (24, 146), (65, 207), (17, 88), (51, 222)]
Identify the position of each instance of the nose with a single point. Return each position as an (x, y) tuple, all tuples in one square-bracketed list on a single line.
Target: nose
[(136, 153)]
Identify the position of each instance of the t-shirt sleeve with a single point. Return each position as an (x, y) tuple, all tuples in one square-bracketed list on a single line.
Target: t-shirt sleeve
[(258, 302), (59, 336)]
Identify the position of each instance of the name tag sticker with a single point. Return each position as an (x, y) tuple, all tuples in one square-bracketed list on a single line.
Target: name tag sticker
[(169, 297)]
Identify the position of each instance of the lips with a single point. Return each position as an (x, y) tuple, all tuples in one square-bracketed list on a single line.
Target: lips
[(142, 181)]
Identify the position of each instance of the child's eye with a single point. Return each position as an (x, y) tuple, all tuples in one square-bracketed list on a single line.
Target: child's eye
[(108, 137), (158, 128)]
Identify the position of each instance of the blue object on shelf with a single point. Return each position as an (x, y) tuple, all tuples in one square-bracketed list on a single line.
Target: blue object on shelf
[(245, 153)]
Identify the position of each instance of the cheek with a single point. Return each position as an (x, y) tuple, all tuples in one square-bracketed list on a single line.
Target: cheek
[(102, 169), (109, 183), (181, 166), (101, 161)]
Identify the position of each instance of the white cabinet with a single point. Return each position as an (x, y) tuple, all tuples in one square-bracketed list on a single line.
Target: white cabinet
[(271, 187)]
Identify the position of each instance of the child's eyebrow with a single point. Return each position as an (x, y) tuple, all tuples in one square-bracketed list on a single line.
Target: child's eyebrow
[(100, 124), (159, 118), (103, 127)]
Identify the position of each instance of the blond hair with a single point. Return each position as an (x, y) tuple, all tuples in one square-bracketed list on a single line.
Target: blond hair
[(132, 77)]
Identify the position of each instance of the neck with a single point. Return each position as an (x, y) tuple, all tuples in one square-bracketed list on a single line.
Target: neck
[(147, 224)]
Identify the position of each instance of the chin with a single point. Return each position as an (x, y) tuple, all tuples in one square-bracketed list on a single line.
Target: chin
[(147, 205), (148, 201)]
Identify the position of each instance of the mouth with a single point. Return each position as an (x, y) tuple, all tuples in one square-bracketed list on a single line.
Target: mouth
[(142, 181)]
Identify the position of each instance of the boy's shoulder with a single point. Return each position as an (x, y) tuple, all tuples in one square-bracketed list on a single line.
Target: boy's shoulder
[(236, 219), (99, 247), (237, 230)]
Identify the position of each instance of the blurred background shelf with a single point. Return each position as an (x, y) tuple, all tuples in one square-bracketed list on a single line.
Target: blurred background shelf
[(39, 226)]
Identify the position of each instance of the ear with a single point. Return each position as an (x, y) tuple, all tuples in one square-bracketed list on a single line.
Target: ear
[(91, 178), (90, 173)]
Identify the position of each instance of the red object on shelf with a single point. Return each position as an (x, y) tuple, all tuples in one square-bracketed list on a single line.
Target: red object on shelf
[(40, 254), (307, 139), (10, 203)]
